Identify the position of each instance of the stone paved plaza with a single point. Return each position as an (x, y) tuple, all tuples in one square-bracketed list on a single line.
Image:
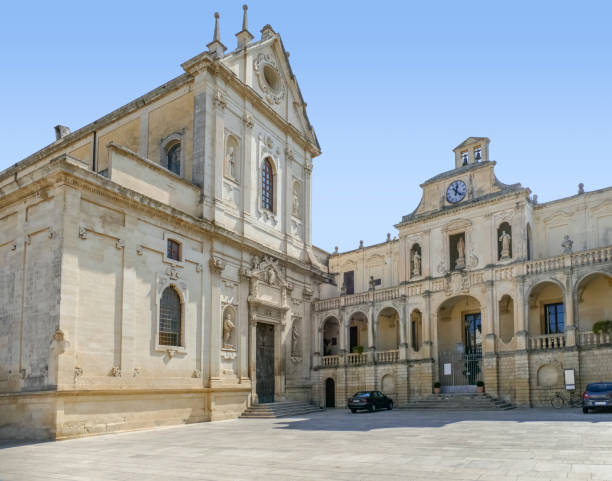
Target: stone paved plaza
[(514, 445)]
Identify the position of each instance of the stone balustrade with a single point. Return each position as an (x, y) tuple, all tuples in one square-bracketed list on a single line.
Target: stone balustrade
[(387, 356), (356, 359), (589, 338), (499, 273), (547, 341), (330, 361)]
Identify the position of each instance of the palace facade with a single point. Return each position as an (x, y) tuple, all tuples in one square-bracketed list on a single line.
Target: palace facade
[(483, 284), (157, 268)]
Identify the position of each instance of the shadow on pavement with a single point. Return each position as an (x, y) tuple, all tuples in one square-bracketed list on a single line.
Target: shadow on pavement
[(344, 420)]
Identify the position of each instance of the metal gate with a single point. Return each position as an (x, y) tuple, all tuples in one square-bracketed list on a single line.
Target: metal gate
[(460, 368)]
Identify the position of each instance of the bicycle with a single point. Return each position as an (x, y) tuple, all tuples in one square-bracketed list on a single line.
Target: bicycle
[(567, 398)]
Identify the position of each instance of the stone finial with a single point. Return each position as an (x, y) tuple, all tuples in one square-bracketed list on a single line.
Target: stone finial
[(535, 198), (361, 244), (61, 131), (244, 36), (388, 237), (336, 250), (216, 47), (267, 32), (580, 188)]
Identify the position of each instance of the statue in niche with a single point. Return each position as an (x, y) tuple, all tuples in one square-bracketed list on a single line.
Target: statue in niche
[(296, 202), (567, 245), (295, 341), (505, 238), (460, 254), (231, 161), (416, 263), (272, 277), (228, 329)]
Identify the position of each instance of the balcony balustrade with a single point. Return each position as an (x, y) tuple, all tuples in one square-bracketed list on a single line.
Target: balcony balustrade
[(547, 341)]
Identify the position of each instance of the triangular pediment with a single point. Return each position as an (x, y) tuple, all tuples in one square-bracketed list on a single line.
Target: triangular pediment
[(268, 72)]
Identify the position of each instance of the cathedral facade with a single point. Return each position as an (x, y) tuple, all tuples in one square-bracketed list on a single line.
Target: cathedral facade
[(157, 264), (157, 268)]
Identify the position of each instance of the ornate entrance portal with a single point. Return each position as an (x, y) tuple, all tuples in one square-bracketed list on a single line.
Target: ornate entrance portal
[(265, 362)]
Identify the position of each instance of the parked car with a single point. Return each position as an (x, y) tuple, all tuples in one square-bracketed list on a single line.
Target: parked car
[(597, 395), (370, 400)]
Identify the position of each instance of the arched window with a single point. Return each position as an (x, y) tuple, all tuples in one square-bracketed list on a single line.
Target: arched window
[(170, 318), (174, 158), (267, 186)]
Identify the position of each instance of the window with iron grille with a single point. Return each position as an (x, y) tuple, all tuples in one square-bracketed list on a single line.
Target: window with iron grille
[(174, 250), (267, 186), (174, 158), (170, 318)]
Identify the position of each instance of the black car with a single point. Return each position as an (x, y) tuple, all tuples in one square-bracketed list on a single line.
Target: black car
[(597, 395), (370, 400)]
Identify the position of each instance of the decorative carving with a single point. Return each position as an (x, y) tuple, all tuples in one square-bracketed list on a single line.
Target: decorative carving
[(269, 141), (265, 68), (196, 373), (171, 353), (219, 100), (60, 342), (115, 371), (216, 263), (140, 250), (83, 233), (289, 153), (248, 121), (120, 244), (199, 268), (567, 244), (473, 260), (51, 233), (266, 269), (27, 240), (228, 354), (307, 293), (78, 372), (13, 246), (296, 200), (173, 273), (137, 371)]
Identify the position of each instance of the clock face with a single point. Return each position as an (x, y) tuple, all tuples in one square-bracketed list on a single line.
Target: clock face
[(456, 191)]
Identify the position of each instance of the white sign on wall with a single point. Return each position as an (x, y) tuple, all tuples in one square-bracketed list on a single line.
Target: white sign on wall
[(447, 368), (570, 380)]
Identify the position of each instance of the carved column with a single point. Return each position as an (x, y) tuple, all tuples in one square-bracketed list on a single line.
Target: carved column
[(426, 322), (216, 265), (218, 143), (403, 345), (570, 327), (522, 306), (371, 341), (490, 313), (307, 200)]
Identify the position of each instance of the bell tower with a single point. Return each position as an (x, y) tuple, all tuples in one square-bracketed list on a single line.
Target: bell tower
[(471, 151)]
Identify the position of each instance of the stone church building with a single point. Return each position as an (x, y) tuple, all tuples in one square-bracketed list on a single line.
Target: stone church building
[(157, 267)]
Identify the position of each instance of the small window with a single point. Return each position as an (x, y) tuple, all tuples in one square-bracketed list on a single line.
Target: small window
[(477, 154), (555, 318), (349, 282), (170, 318), (174, 250), (377, 282), (174, 158), (267, 186), (464, 158)]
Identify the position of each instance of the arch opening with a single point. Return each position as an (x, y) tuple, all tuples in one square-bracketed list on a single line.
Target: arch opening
[(594, 300), (331, 336), (546, 311), (388, 329)]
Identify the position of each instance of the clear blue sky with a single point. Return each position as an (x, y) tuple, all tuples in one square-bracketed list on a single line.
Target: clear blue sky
[(391, 88)]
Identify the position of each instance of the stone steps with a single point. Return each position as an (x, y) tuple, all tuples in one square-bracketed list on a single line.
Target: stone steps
[(460, 402), (278, 409)]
